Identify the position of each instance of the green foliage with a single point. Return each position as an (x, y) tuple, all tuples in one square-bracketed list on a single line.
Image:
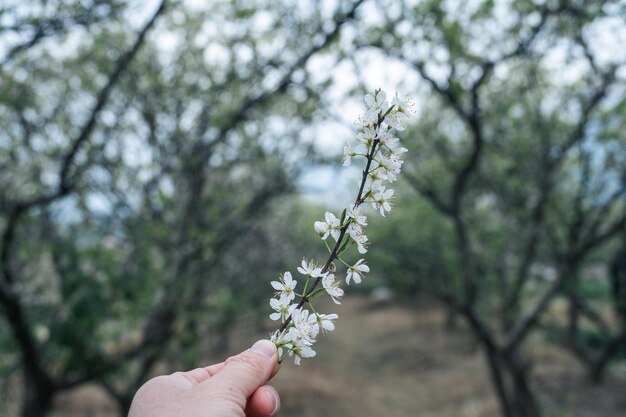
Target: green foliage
[(595, 290), (414, 252)]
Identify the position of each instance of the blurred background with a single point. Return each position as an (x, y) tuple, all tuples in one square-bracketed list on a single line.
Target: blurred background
[(162, 161)]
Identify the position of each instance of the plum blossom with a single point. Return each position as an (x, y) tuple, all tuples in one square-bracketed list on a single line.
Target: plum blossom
[(284, 339), (391, 166), (367, 136), (348, 153), (293, 343), (356, 271), (302, 351), (361, 242), (376, 105), (355, 213), (285, 286), (310, 269), (400, 115), (325, 321), (386, 138), (355, 231), (375, 180), (331, 226), (381, 200), (332, 288), (395, 120), (397, 153), (281, 307), (404, 107), (306, 324)]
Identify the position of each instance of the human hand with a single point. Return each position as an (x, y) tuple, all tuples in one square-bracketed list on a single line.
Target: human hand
[(234, 388)]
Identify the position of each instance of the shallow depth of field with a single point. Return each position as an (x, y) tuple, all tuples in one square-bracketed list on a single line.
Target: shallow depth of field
[(161, 162), (389, 360)]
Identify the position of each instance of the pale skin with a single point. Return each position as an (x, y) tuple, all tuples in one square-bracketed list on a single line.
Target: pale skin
[(234, 388)]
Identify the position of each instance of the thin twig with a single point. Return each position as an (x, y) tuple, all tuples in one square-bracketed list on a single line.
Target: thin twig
[(360, 199)]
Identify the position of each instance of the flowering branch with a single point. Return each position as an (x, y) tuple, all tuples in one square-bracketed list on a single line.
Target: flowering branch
[(300, 328)]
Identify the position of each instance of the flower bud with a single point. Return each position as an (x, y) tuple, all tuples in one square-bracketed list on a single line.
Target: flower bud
[(321, 228)]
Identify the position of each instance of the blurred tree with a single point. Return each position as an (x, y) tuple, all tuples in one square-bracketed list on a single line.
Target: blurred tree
[(521, 152), (413, 264), (132, 178)]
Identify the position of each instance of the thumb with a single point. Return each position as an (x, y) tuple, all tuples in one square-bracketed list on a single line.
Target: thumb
[(244, 373)]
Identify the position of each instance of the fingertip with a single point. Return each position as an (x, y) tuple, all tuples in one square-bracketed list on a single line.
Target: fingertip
[(246, 372), (264, 402), (268, 349), (265, 348)]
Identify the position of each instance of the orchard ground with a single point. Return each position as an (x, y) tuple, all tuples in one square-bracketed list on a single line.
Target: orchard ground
[(395, 361)]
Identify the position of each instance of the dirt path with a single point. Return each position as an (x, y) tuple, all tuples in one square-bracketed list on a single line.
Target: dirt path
[(392, 361)]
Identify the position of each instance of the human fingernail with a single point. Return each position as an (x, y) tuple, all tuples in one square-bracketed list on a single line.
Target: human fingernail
[(265, 348), (274, 400)]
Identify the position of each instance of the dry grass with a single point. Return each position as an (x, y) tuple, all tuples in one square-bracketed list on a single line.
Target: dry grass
[(397, 362)]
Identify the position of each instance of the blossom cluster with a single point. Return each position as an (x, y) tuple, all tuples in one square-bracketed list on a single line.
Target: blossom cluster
[(300, 322)]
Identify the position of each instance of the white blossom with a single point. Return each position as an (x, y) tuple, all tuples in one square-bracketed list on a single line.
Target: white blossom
[(310, 269), (355, 213), (356, 234), (292, 341), (282, 308), (285, 286), (348, 153), (325, 321), (306, 324), (386, 138), (401, 112), (381, 200), (391, 166), (397, 153), (402, 106), (331, 226), (395, 120), (367, 136), (322, 229), (375, 180), (278, 339), (332, 288), (355, 231), (361, 241), (302, 351), (284, 340), (376, 104), (356, 271)]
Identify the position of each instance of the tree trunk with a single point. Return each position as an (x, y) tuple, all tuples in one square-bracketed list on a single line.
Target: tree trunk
[(616, 347), (497, 379), (38, 397), (525, 400), (511, 383)]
